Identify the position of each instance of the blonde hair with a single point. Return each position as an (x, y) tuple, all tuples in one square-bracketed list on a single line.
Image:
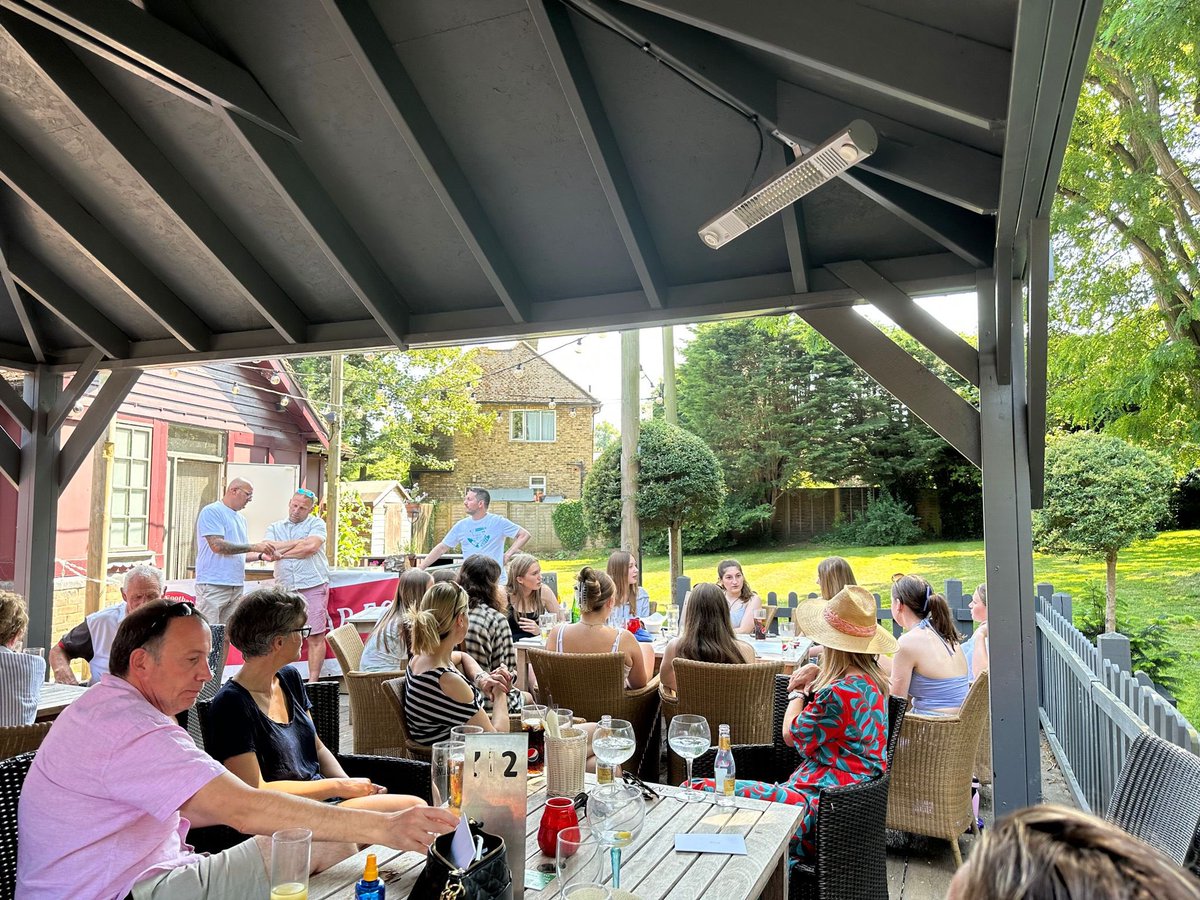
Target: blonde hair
[(595, 589), (618, 571), (833, 574), (836, 663), (431, 622), (412, 587), (14, 618), (982, 592), (518, 566)]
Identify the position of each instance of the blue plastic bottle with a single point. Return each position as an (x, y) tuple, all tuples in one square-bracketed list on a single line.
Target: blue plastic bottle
[(370, 887)]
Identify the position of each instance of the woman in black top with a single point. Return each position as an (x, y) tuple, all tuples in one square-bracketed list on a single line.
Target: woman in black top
[(259, 725)]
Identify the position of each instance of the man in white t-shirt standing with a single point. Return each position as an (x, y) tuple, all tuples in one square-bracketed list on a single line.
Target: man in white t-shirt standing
[(302, 567), (481, 532), (222, 550)]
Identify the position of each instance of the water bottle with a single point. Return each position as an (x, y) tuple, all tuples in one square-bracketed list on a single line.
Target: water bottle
[(724, 770)]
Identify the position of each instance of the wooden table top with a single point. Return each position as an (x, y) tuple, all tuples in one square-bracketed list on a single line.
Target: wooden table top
[(57, 697), (650, 867)]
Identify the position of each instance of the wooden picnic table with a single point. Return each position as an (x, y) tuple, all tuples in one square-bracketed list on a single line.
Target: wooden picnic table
[(57, 697), (650, 867)]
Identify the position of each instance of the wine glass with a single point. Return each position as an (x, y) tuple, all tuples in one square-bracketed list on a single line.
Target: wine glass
[(689, 736), (578, 859), (613, 742), (617, 813), (785, 627), (547, 621)]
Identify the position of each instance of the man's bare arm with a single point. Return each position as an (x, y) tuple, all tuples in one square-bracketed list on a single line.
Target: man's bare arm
[(61, 664), (519, 541), (433, 555), (219, 545), (301, 549)]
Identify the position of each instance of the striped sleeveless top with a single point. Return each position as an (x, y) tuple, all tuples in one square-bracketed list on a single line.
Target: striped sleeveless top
[(431, 714)]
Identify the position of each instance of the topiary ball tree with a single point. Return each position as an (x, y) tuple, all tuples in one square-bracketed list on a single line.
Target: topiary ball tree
[(679, 483), (1102, 494)]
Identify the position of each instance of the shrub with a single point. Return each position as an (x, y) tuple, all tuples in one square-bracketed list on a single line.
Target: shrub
[(1149, 650), (569, 525), (886, 522)]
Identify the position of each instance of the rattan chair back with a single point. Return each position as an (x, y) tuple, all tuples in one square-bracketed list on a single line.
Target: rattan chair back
[(1156, 798), (372, 714), (12, 776), (932, 768), (17, 739), (347, 646), (216, 664), (393, 691)]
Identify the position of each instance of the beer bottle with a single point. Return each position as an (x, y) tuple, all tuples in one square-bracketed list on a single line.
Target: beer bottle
[(724, 770)]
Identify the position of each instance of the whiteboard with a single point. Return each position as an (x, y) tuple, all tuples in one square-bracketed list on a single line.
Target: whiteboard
[(274, 486)]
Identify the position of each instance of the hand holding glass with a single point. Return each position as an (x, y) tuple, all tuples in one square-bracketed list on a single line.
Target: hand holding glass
[(689, 736)]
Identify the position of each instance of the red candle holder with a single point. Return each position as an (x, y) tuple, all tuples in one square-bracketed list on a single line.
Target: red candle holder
[(558, 814)]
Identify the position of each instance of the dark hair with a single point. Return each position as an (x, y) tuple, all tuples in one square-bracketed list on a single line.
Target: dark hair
[(445, 574), (145, 628), (263, 615), (479, 576), (594, 588), (481, 494), (915, 593), (727, 564), (410, 589), (707, 630), (1055, 853)]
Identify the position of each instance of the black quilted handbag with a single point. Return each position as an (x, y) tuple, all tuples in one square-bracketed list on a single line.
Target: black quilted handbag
[(487, 879)]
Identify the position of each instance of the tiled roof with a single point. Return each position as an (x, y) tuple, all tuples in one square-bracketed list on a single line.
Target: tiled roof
[(537, 380)]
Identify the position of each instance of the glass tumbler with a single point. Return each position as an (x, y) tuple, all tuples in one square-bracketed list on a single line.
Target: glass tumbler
[(449, 757), (291, 850)]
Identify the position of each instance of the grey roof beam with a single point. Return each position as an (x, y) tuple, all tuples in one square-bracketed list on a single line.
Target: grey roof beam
[(928, 162), (14, 404), (883, 52), (93, 104), (57, 296), (900, 308), (41, 190), (926, 395), (138, 42), (795, 237), (14, 356), (94, 422), (308, 200), (377, 59), (76, 387), (28, 324), (1035, 379), (579, 88), (10, 460)]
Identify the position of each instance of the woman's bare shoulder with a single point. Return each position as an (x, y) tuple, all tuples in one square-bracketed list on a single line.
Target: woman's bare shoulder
[(746, 650)]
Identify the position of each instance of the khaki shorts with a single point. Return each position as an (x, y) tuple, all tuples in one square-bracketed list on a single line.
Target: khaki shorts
[(235, 874), (218, 601), (316, 598)]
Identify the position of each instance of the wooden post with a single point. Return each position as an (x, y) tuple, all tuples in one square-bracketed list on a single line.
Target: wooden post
[(333, 471), (671, 411), (96, 592), (631, 537)]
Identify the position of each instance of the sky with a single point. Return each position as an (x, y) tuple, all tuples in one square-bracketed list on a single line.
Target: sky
[(596, 364)]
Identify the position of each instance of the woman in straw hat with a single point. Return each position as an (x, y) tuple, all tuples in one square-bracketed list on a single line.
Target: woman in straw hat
[(837, 718)]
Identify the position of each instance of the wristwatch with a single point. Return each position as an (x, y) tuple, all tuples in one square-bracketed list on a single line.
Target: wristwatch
[(260, 557), (798, 695)]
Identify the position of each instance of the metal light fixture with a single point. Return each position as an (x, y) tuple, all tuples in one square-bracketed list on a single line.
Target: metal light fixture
[(846, 148)]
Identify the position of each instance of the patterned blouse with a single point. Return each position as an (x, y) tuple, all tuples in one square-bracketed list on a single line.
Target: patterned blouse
[(841, 737), (489, 642)]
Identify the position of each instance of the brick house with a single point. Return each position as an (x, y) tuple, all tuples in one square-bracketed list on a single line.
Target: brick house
[(539, 439)]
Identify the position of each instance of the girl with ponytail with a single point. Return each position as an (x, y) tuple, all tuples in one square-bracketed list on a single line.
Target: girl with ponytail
[(929, 668)]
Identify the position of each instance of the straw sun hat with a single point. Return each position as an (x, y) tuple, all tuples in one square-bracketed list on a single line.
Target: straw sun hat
[(847, 622)]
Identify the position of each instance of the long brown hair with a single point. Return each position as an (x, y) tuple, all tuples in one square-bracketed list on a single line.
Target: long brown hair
[(430, 623), (727, 564), (618, 571), (412, 587), (517, 567), (707, 632), (594, 589), (915, 593), (479, 576), (833, 574)]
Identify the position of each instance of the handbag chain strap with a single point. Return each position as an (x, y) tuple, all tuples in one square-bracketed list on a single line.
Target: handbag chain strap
[(453, 892)]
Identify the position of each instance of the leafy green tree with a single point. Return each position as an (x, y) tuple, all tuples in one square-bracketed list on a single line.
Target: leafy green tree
[(604, 434), (679, 483), (569, 525), (354, 528), (396, 403), (1102, 494)]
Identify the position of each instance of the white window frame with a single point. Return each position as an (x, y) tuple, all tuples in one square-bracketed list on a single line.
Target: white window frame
[(524, 427), (130, 490), (537, 483)]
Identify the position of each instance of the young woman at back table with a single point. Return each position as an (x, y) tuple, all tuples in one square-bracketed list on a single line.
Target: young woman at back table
[(592, 634), (742, 602), (528, 597), (632, 599), (707, 635), (386, 649)]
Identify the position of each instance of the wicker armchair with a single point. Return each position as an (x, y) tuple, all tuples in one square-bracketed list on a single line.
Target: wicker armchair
[(12, 776), (932, 769), (1156, 797), (593, 685), (372, 714), (18, 739), (347, 646), (735, 695), (393, 690)]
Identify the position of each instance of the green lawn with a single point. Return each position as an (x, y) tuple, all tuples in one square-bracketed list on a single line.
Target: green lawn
[(1155, 578)]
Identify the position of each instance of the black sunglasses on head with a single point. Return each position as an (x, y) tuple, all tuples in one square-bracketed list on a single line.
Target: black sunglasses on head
[(175, 610)]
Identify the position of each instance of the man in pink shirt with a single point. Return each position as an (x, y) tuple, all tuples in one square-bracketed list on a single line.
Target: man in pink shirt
[(131, 782)]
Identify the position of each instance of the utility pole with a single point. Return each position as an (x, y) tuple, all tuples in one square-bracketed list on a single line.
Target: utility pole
[(671, 415), (631, 536), (333, 471)]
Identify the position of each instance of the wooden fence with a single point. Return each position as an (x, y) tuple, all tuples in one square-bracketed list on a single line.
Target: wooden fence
[(435, 519)]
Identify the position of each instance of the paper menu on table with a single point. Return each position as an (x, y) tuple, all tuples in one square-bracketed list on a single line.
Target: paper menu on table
[(732, 844)]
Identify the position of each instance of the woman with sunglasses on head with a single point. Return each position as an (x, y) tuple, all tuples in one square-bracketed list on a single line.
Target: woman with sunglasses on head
[(386, 649), (976, 646), (259, 726), (930, 668)]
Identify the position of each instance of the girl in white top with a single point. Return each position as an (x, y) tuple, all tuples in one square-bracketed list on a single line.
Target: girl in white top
[(743, 603), (387, 646), (591, 634)]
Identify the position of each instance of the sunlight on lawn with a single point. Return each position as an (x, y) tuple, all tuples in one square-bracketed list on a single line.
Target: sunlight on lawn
[(1155, 578)]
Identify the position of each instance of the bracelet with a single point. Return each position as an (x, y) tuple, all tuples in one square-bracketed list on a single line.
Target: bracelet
[(800, 695), (478, 677), (260, 557)]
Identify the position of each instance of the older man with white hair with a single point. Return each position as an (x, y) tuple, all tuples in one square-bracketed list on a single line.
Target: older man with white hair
[(92, 638)]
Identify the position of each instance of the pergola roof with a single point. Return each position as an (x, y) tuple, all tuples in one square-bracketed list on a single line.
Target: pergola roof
[(217, 179)]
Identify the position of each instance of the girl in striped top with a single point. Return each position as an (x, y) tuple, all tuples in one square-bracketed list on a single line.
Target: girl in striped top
[(445, 687)]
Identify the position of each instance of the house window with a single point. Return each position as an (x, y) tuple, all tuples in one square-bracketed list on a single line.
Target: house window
[(536, 425), (130, 500), (537, 483)]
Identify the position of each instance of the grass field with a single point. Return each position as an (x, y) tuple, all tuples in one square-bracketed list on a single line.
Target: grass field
[(1155, 578)]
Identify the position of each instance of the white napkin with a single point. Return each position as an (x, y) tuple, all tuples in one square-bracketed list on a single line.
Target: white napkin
[(462, 845)]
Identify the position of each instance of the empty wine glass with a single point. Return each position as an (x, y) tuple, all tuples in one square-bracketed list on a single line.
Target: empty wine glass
[(690, 737), (617, 813)]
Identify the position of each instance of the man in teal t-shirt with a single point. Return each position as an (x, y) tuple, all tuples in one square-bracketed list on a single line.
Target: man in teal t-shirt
[(481, 532)]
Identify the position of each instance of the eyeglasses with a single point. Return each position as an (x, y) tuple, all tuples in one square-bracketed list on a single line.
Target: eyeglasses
[(249, 492), (305, 492), (647, 792), (176, 610), (304, 632)]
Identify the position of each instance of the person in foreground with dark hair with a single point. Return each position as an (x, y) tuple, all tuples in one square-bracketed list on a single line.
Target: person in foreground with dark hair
[(259, 724), (132, 782), (1055, 853)]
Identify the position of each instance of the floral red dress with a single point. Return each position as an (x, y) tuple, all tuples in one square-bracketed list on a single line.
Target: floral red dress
[(841, 737)]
